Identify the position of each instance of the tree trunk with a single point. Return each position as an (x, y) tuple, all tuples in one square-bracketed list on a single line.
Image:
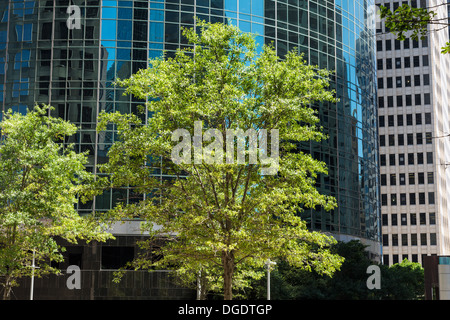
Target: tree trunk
[(7, 290), (202, 285), (228, 270)]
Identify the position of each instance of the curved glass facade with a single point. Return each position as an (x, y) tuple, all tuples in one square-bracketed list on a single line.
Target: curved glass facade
[(46, 58)]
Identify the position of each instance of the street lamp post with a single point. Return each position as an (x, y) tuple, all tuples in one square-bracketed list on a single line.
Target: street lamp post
[(33, 267), (269, 264), (32, 277)]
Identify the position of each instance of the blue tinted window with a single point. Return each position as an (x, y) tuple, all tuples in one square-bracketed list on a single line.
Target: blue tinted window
[(24, 32), (109, 30), (231, 5)]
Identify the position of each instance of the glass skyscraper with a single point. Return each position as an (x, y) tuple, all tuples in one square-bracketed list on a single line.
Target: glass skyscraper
[(44, 58)]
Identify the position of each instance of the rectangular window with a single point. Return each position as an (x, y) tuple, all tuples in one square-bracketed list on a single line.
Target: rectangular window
[(399, 101), (394, 199), (116, 257), (429, 157), (391, 121), (433, 240), (382, 140), (430, 177), (379, 45), (388, 63), (432, 218), (382, 159), (404, 219), (401, 159), (403, 199), (421, 177), (389, 83), (414, 239), (430, 197), (388, 44), (393, 179), (384, 199), (412, 218), (412, 198), (401, 139), (394, 219), (380, 83), (384, 219), (385, 240), (379, 64), (395, 240), (423, 239), (420, 158), (421, 197), (406, 43), (412, 178), (404, 239), (390, 101), (417, 99), (409, 120), (392, 159), (391, 140), (428, 138), (422, 218), (417, 80), (383, 179), (408, 99), (407, 60), (419, 138), (410, 139), (407, 81)]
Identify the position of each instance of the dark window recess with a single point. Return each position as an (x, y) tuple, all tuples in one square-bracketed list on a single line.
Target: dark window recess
[(116, 257), (46, 31), (75, 259)]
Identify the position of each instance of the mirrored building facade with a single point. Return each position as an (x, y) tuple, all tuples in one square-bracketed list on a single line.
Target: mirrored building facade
[(46, 58)]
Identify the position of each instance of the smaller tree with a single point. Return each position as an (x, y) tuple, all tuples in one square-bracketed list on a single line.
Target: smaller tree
[(402, 281), (40, 182)]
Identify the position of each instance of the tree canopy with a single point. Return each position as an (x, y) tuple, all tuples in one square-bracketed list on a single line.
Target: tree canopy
[(41, 180), (217, 207)]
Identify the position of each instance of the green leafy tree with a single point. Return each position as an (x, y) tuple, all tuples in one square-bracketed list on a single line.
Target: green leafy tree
[(415, 22), (218, 212), (40, 181), (401, 281)]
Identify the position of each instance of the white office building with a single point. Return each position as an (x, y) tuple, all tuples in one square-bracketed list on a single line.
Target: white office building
[(414, 136)]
